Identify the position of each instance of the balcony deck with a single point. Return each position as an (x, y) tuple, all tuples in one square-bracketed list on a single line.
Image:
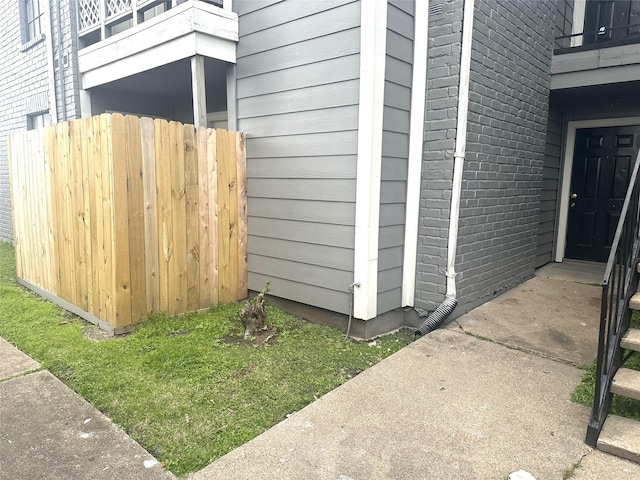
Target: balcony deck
[(189, 29), (595, 67), (596, 43)]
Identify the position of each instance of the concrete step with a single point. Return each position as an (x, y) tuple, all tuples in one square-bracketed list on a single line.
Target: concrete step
[(631, 340), (621, 436), (626, 383), (634, 303)]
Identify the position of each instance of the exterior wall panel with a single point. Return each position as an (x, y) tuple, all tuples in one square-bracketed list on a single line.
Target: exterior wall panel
[(550, 184), (23, 76), (437, 165), (395, 151), (298, 88), (25, 81), (502, 180)]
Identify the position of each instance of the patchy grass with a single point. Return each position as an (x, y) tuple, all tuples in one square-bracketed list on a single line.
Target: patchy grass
[(183, 387), (622, 406), (570, 472)]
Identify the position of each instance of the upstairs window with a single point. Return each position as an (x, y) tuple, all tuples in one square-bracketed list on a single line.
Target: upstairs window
[(34, 14), (31, 13)]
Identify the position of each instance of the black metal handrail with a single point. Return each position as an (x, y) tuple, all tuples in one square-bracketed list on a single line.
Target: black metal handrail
[(618, 286)]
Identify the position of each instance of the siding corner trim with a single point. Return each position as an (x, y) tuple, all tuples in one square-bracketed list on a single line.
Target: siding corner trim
[(416, 143), (373, 32)]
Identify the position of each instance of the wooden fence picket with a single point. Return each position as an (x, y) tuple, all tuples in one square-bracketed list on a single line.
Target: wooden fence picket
[(123, 216)]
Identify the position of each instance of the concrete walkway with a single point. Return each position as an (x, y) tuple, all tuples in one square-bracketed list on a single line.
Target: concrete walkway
[(47, 431), (484, 397)]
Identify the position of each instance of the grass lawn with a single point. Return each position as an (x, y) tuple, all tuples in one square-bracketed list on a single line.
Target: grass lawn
[(622, 406), (185, 388)]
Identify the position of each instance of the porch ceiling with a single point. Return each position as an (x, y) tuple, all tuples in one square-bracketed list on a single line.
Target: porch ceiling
[(171, 80), (622, 90)]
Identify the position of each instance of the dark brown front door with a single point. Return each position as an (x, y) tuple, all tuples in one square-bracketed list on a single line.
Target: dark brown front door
[(602, 162)]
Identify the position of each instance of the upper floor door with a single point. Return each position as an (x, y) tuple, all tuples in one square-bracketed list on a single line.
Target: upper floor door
[(611, 20)]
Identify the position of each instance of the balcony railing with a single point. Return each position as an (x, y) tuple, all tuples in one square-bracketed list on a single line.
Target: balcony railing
[(593, 24), (99, 19)]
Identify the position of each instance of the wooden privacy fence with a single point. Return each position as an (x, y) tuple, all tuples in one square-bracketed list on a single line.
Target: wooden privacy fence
[(125, 216)]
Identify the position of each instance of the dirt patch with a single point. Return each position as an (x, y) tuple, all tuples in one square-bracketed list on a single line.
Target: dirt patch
[(179, 333), (96, 334), (267, 336)]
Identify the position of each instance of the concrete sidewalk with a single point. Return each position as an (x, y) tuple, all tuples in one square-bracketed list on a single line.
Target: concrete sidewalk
[(47, 431), (485, 396), (453, 405)]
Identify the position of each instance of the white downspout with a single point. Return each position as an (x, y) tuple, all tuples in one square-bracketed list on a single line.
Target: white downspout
[(53, 104), (449, 304), (461, 145)]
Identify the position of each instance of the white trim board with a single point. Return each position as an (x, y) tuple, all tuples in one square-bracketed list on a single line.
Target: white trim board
[(373, 39), (416, 144), (567, 166)]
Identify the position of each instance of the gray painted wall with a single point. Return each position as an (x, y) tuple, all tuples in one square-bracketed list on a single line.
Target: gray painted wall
[(437, 164), (502, 178), (563, 20), (297, 88), (23, 76), (395, 148), (499, 214), (24, 81), (550, 183)]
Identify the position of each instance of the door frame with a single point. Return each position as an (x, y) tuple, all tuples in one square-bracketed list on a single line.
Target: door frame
[(567, 167)]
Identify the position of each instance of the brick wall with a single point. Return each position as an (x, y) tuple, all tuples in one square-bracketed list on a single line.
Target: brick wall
[(509, 98), (24, 79), (437, 165), (509, 91), (23, 75), (66, 61)]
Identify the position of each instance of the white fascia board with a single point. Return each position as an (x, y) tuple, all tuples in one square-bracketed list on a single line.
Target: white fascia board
[(182, 32), (215, 47), (416, 145), (598, 76), (177, 49), (373, 37), (174, 50)]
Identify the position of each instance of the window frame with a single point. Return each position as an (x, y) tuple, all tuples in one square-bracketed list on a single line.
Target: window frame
[(31, 22)]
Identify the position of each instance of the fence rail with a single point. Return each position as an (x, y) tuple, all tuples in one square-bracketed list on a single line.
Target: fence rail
[(125, 216)]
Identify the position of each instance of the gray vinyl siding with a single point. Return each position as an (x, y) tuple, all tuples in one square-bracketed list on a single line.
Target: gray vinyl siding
[(297, 102), (550, 184), (395, 151)]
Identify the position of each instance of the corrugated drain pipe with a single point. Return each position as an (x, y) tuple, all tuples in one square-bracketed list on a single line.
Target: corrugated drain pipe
[(447, 307)]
